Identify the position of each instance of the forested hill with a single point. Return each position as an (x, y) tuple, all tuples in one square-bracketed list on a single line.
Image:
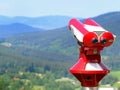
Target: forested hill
[(62, 41), (110, 21), (59, 45)]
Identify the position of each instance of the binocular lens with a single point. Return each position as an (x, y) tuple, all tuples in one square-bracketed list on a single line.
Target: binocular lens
[(94, 41), (106, 39), (103, 41)]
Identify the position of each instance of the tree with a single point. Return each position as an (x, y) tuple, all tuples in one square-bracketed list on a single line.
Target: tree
[(109, 79), (66, 86), (4, 82)]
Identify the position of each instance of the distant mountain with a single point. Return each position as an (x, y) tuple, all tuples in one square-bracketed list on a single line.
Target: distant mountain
[(45, 22), (16, 28), (103, 18)]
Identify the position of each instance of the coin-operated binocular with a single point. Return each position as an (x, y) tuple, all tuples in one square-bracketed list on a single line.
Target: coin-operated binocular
[(92, 38)]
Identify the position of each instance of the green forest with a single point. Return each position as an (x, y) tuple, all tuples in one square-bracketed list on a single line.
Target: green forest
[(41, 60), (19, 72)]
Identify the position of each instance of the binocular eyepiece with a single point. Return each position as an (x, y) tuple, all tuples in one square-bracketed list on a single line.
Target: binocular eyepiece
[(91, 38), (103, 41), (106, 39), (90, 33), (94, 40)]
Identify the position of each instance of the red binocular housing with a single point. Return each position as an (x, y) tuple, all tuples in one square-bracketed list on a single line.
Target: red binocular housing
[(92, 38)]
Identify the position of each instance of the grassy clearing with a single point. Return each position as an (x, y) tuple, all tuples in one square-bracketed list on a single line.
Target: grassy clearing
[(116, 85), (115, 74), (38, 88)]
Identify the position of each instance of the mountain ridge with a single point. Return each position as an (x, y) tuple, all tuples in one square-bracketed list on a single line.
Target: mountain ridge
[(16, 28), (45, 22)]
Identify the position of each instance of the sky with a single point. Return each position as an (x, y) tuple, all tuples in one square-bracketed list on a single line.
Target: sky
[(74, 8)]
